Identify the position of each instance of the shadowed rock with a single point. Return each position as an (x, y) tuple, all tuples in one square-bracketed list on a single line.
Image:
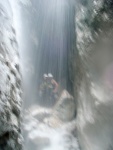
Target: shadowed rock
[(93, 81), (10, 88)]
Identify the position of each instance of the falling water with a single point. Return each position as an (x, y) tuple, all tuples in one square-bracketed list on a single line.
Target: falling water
[(44, 35), (45, 31)]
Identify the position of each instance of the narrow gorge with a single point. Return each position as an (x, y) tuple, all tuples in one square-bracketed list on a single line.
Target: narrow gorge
[(72, 41)]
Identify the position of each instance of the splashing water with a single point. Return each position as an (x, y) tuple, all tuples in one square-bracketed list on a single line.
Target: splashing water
[(46, 137)]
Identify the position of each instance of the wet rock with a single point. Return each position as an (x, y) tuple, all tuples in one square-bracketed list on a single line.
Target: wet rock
[(93, 82), (63, 107), (10, 101), (43, 136), (64, 111)]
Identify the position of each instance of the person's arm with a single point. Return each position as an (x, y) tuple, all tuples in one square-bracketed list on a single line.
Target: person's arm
[(56, 86)]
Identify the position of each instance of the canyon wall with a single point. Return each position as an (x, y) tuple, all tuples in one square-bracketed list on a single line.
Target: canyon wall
[(93, 73), (10, 82)]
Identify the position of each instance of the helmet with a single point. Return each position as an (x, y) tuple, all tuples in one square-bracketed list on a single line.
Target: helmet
[(45, 75), (50, 75)]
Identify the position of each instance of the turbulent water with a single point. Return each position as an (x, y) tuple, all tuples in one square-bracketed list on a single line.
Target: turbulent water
[(45, 135)]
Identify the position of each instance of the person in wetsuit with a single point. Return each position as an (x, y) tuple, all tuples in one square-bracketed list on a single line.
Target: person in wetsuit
[(43, 88), (52, 88)]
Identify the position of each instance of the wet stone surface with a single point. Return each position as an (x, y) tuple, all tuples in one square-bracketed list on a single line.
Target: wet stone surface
[(93, 82), (10, 83)]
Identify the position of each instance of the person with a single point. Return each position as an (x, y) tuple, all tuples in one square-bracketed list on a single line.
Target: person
[(53, 86), (44, 83), (43, 88), (48, 89)]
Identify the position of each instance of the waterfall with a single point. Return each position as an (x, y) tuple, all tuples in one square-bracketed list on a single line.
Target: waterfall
[(66, 62)]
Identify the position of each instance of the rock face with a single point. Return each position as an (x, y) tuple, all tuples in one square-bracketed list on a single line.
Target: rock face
[(94, 81), (63, 106), (10, 82), (63, 112)]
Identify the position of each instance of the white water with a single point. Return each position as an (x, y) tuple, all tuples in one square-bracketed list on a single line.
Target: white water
[(45, 137)]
